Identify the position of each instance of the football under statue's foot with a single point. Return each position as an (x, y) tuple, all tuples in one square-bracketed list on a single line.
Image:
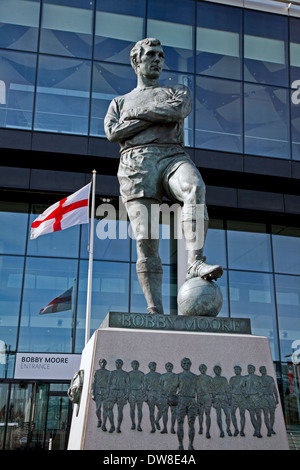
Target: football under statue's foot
[(207, 271)]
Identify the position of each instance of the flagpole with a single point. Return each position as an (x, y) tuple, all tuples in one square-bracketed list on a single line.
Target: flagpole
[(90, 270)]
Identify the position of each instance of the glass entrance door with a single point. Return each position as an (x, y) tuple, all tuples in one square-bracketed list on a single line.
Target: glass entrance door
[(18, 419), (34, 416), (58, 417)]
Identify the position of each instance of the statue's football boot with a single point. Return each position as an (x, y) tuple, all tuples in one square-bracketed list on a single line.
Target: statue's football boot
[(201, 269)]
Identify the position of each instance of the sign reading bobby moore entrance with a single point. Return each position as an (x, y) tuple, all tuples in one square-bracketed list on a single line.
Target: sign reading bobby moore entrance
[(46, 366)]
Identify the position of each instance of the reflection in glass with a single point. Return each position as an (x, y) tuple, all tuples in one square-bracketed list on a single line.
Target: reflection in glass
[(14, 217), (67, 28), (215, 243), (57, 421), (218, 40), (218, 114), (110, 292), (111, 237), (62, 100), (267, 121), (294, 49), (46, 279), (119, 25), (251, 295), (172, 22), (295, 121), (288, 307), (286, 248), (39, 417), (248, 246), (291, 396), (19, 23), (265, 48), (4, 388), (16, 89), (11, 275), (19, 414)]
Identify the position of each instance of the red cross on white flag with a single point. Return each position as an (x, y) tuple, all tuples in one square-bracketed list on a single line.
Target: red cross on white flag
[(71, 210), (59, 304)]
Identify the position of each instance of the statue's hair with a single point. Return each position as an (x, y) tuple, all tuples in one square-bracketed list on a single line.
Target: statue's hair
[(137, 50)]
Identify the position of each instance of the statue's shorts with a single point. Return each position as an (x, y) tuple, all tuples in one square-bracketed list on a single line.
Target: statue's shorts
[(153, 397), (238, 401), (205, 400), (116, 396), (136, 396), (268, 402), (253, 402), (187, 406), (145, 171), (220, 401)]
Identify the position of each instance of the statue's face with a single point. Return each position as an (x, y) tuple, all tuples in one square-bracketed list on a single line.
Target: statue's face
[(152, 366), (186, 364), (151, 62), (102, 363)]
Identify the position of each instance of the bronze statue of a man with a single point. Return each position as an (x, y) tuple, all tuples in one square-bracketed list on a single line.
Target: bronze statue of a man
[(148, 124)]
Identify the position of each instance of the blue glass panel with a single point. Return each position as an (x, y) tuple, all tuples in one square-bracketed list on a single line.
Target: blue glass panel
[(288, 306), (295, 49), (110, 293), (45, 280), (62, 100), (218, 114), (218, 50), (215, 244), (172, 22), (119, 25), (19, 23), (13, 219), (4, 397), (11, 275), (17, 89), (265, 48), (286, 249), (111, 236), (252, 296), (295, 120), (67, 28), (267, 121), (249, 246)]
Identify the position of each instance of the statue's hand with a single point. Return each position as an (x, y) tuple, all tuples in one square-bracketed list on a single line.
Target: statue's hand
[(133, 113), (129, 114)]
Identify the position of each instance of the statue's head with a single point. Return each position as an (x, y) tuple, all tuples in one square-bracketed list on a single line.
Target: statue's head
[(142, 47)]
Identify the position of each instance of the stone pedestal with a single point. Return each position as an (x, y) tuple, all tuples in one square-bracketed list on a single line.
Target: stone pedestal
[(146, 344)]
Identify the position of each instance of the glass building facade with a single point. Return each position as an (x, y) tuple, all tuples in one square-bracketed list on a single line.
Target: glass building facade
[(61, 63)]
